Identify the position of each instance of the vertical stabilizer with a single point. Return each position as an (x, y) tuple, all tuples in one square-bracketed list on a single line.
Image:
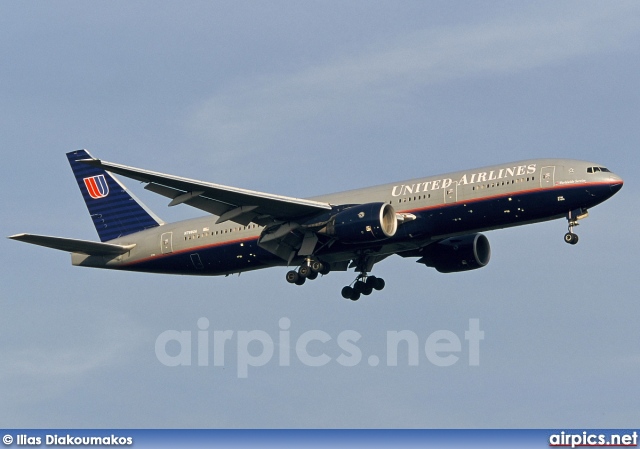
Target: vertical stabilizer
[(114, 210)]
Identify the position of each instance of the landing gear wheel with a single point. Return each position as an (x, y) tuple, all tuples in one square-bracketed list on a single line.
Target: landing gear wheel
[(359, 286), (375, 282), (304, 271), (312, 275), (571, 238), (316, 266), (292, 277), (300, 280), (367, 290), (350, 293)]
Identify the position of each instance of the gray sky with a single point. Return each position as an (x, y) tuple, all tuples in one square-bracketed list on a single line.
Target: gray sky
[(300, 99)]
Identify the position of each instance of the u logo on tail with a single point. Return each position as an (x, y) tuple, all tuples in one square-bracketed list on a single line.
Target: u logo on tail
[(118, 213), (97, 186)]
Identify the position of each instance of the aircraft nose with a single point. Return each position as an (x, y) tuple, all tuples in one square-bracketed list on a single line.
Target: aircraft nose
[(616, 184)]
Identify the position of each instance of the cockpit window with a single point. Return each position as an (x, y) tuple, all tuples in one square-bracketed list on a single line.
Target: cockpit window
[(598, 169)]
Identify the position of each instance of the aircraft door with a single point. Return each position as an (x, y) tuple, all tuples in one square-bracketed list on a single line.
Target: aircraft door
[(547, 176), (451, 193), (166, 242)]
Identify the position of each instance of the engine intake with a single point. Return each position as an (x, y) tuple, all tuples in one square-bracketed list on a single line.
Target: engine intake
[(457, 254), (370, 222)]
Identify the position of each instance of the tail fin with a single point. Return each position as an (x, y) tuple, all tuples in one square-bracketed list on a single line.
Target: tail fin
[(114, 210)]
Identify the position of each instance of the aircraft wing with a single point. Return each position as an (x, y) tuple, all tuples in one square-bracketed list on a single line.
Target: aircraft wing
[(74, 245), (229, 203)]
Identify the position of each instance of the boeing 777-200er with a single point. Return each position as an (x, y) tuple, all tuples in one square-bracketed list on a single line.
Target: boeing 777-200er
[(436, 220)]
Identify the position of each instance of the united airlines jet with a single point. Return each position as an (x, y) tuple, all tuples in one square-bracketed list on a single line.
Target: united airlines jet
[(436, 220)]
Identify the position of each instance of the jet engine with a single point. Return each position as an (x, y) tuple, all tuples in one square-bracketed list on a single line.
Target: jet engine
[(363, 223), (456, 254)]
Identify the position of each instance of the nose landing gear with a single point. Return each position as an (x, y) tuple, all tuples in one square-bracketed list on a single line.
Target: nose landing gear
[(573, 218)]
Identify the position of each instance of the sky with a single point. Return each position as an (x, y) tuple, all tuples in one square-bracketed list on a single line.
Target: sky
[(301, 99)]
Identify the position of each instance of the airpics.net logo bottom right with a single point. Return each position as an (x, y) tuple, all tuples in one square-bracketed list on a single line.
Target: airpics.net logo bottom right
[(257, 348)]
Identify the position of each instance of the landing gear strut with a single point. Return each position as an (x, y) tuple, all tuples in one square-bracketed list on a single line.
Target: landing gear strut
[(363, 285)]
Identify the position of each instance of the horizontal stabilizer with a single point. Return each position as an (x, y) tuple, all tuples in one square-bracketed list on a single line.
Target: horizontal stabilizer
[(74, 245)]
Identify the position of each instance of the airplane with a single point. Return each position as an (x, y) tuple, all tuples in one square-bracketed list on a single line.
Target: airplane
[(438, 220)]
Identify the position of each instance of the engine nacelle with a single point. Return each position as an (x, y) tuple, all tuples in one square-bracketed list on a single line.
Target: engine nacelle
[(455, 254), (369, 222)]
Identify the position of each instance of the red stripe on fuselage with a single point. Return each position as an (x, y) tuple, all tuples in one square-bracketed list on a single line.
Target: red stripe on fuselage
[(509, 194), (437, 206), (191, 249)]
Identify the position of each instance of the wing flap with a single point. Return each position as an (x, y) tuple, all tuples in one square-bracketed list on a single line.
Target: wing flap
[(74, 245)]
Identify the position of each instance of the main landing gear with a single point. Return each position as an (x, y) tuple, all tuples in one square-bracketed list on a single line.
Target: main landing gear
[(363, 285), (309, 270)]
